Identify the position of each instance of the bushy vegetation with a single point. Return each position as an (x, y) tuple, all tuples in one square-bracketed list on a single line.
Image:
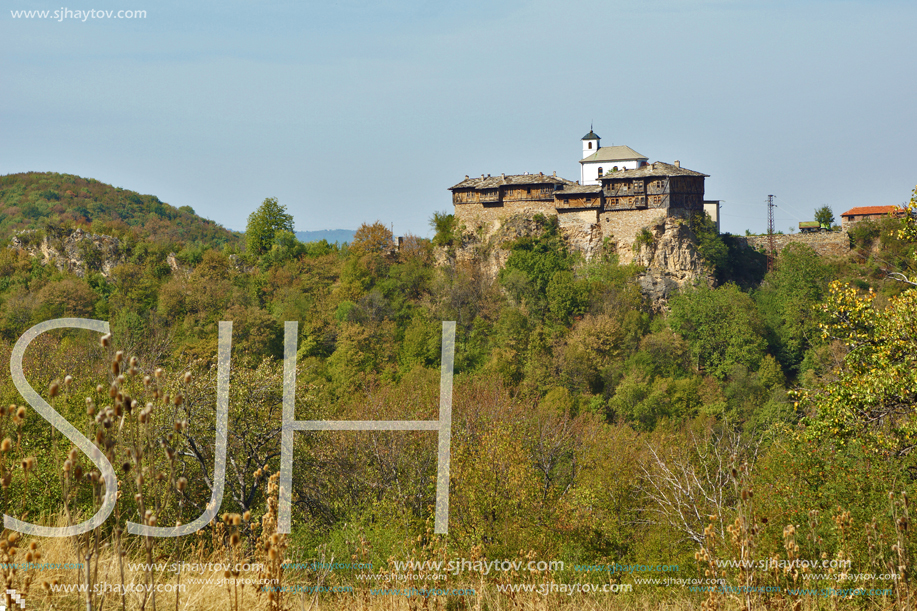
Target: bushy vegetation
[(587, 427), (41, 200)]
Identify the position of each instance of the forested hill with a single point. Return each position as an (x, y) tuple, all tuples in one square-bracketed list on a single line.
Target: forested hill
[(35, 200)]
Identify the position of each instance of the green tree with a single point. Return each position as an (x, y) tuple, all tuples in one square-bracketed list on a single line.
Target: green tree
[(909, 231), (872, 399), (533, 262), (722, 327), (566, 296), (444, 225), (709, 244), (787, 300), (824, 216), (264, 223), (284, 247)]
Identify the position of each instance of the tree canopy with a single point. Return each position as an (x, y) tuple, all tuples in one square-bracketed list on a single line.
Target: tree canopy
[(722, 326), (824, 216), (264, 224)]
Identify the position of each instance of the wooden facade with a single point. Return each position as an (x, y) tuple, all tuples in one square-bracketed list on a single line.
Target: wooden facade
[(654, 189), (503, 189)]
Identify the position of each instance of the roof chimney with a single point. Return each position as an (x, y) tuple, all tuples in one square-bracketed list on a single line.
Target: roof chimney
[(677, 164), (555, 174), (503, 175), (466, 176)]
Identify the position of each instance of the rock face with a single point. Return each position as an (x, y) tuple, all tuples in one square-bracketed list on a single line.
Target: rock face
[(79, 253), (667, 251), (671, 260), (581, 232), (485, 247)]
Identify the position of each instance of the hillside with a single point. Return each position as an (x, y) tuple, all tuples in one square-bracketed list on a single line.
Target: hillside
[(579, 408), (33, 200)]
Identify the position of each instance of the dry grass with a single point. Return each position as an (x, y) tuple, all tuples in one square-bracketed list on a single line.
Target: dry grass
[(219, 596)]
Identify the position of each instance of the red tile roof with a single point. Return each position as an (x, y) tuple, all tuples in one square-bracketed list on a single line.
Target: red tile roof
[(871, 210)]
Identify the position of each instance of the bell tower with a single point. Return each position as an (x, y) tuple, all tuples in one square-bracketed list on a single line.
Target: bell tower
[(590, 143)]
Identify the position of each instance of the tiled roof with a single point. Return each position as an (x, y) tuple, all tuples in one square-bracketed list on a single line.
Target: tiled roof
[(579, 190), (657, 168), (871, 210), (492, 182), (614, 153)]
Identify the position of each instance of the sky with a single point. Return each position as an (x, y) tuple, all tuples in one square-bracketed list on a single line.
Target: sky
[(351, 111)]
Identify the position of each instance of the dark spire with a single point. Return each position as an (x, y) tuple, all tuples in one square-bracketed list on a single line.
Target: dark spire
[(591, 135)]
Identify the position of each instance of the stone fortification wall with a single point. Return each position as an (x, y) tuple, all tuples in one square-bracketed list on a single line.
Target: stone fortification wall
[(473, 216), (581, 231), (828, 243), (623, 226)]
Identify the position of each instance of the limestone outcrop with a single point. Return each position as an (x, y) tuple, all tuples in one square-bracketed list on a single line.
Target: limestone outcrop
[(80, 252), (666, 249), (669, 254), (486, 245), (581, 233)]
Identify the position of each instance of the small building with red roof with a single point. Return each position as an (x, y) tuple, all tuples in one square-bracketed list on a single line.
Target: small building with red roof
[(869, 213)]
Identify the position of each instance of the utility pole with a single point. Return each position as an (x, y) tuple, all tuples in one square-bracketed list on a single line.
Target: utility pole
[(771, 243)]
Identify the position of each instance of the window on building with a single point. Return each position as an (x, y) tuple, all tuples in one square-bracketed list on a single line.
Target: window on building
[(590, 145), (600, 170)]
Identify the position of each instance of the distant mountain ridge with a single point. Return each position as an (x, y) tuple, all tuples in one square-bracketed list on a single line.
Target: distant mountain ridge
[(37, 200), (332, 235)]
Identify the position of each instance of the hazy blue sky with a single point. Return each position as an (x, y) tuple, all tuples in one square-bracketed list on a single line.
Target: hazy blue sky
[(352, 111)]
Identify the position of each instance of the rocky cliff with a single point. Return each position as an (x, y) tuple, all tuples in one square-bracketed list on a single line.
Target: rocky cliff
[(667, 251), (671, 260), (79, 252), (485, 246)]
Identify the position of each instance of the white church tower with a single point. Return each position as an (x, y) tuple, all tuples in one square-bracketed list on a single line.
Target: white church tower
[(590, 143)]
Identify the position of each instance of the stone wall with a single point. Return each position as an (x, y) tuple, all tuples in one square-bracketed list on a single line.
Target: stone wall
[(828, 243), (623, 226), (581, 231), (473, 216)]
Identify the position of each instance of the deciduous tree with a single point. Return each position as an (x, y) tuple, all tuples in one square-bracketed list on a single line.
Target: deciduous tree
[(264, 223), (824, 216)]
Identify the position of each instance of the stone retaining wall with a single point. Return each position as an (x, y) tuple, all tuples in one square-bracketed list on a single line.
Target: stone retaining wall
[(827, 243), (473, 216)]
